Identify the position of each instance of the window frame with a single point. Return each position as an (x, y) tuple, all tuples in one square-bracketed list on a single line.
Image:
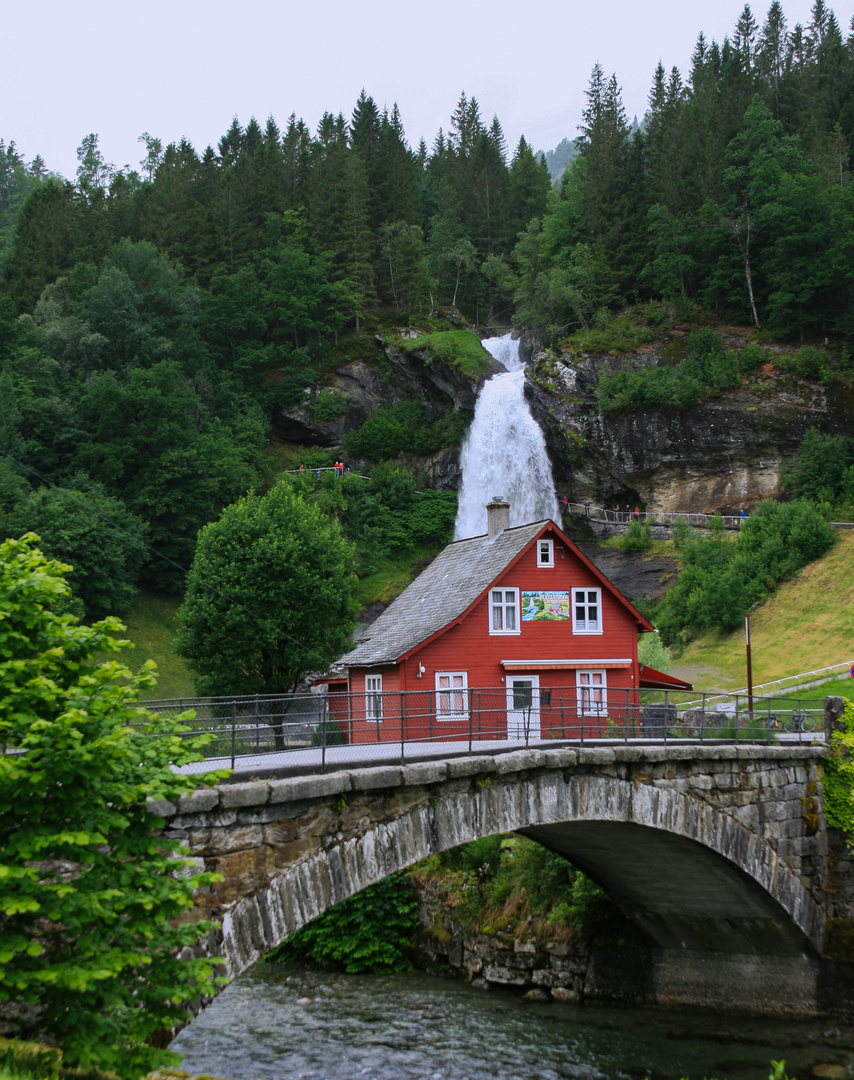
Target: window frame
[(449, 693), (587, 604), (549, 561), (374, 699), (582, 700), (503, 605)]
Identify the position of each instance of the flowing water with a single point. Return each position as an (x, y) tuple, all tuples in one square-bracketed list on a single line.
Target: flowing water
[(504, 452), (280, 1022)]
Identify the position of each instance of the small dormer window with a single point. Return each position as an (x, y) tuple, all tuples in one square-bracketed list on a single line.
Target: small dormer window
[(545, 553)]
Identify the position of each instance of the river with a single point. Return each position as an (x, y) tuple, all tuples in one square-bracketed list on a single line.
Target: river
[(282, 1022)]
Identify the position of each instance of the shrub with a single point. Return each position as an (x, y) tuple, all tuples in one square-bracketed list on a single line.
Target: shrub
[(652, 652), (811, 361), (327, 406), (372, 931), (481, 857), (822, 467), (637, 538), (721, 579), (329, 733), (395, 431)]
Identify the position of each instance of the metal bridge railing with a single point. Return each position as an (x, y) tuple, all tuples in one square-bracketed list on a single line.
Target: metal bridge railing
[(313, 732), (601, 515)]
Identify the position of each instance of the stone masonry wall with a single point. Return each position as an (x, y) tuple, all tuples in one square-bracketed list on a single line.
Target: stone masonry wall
[(252, 832)]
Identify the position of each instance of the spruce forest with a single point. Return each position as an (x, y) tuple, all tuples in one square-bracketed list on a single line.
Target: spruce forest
[(152, 320)]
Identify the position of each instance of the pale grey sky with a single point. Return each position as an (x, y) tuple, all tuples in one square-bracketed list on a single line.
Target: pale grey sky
[(184, 68)]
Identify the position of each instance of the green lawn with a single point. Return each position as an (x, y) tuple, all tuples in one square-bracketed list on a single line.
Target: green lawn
[(151, 627)]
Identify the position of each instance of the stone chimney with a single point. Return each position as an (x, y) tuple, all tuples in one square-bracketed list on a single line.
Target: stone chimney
[(497, 516)]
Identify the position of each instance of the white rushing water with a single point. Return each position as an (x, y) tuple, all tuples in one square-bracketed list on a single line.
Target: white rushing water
[(504, 452)]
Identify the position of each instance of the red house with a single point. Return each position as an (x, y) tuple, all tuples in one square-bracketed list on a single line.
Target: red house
[(515, 634)]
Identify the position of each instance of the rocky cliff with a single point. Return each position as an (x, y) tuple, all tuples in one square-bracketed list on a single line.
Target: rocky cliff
[(725, 454)]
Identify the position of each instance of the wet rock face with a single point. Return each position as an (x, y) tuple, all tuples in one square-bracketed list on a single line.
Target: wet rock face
[(361, 387), (635, 575), (725, 454)]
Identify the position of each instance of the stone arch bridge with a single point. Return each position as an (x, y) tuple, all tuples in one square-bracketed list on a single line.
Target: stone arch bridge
[(718, 854)]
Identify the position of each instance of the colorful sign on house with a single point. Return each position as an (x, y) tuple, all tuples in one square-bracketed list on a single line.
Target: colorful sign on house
[(545, 606)]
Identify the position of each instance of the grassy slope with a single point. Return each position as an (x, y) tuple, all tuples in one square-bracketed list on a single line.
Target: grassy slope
[(151, 627), (807, 624)]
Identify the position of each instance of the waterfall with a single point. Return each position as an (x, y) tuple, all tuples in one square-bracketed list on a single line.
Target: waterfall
[(504, 452)]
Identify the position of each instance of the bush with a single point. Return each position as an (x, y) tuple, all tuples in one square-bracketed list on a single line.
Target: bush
[(823, 467), (722, 579), (395, 431), (481, 857), (811, 362), (329, 733), (708, 366), (637, 538), (652, 652), (327, 406), (371, 932)]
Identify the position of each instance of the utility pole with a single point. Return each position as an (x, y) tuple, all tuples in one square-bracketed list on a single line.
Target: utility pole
[(749, 668)]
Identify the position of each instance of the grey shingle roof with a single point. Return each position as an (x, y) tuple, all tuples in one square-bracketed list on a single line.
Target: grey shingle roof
[(449, 585)]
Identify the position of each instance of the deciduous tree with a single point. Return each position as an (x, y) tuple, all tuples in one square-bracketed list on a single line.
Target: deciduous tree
[(271, 596), (90, 892)]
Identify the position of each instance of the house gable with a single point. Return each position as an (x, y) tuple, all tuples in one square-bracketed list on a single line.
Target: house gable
[(459, 580), (562, 549)]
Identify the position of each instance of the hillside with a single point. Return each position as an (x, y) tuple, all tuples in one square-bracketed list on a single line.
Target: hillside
[(807, 624)]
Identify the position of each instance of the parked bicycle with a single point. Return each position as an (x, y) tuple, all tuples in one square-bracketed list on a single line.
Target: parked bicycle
[(797, 723)]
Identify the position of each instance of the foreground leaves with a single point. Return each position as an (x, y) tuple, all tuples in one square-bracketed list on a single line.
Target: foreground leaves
[(88, 889)]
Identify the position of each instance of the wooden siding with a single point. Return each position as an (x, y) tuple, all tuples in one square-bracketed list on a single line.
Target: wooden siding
[(469, 647)]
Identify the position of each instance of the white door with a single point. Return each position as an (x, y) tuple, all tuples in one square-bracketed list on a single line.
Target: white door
[(523, 706)]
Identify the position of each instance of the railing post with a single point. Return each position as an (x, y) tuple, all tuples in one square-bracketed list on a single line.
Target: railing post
[(666, 715), (402, 744), (626, 718), (429, 717), (233, 730), (471, 701), (323, 720), (479, 717)]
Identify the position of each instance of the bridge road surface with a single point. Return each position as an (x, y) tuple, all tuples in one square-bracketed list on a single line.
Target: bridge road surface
[(364, 755)]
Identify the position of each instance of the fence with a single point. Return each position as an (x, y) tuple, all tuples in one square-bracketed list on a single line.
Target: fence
[(603, 516), (319, 730)]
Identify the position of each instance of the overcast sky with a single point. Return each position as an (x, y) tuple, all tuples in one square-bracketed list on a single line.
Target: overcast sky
[(184, 68)]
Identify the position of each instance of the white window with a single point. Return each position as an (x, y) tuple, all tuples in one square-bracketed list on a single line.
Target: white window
[(504, 611), (592, 693), (451, 689), (545, 553), (587, 611), (374, 697)]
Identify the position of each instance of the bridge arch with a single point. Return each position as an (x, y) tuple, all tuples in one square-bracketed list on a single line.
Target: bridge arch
[(738, 890)]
